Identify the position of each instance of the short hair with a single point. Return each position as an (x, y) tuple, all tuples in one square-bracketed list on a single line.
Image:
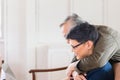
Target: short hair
[(75, 20), (84, 32)]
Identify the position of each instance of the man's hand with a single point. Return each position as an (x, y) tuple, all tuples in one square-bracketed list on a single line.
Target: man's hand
[(77, 76), (68, 78), (70, 69), (72, 73)]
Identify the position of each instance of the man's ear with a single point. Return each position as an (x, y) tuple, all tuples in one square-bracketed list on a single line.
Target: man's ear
[(89, 44)]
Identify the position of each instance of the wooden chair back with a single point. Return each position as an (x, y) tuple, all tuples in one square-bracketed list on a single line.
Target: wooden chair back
[(33, 71)]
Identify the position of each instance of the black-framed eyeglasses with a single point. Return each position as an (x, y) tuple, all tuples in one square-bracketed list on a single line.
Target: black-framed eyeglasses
[(76, 45)]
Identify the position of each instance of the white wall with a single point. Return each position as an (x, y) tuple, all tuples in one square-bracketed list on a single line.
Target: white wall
[(104, 12), (113, 11), (47, 19), (90, 10), (30, 22), (16, 37), (43, 27)]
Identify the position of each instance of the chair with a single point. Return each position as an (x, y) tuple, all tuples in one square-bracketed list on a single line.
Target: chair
[(33, 71)]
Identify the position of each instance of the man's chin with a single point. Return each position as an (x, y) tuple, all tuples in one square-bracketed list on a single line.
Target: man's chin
[(77, 57)]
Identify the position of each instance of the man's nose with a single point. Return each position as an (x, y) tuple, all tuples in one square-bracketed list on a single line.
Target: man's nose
[(72, 50), (67, 41)]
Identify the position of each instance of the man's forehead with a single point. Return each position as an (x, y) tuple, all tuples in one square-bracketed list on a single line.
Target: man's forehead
[(66, 27), (64, 30), (67, 23)]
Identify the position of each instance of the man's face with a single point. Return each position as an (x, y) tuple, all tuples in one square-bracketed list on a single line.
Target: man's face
[(66, 27)]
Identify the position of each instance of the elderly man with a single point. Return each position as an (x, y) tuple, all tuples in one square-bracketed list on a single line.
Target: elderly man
[(94, 46)]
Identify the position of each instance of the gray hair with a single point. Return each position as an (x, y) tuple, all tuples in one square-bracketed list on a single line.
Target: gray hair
[(74, 19)]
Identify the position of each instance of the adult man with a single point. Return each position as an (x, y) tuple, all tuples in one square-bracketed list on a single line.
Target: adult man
[(106, 47)]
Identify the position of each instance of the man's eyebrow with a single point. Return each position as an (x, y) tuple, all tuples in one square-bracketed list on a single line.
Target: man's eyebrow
[(65, 36), (61, 24)]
